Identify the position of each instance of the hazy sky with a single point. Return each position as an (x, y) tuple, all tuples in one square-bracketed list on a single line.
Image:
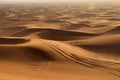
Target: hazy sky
[(4, 1), (35, 0)]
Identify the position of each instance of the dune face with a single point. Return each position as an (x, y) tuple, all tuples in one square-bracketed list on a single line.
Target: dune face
[(12, 41), (75, 41)]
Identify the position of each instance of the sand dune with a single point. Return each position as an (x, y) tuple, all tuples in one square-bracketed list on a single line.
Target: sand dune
[(7, 40), (114, 19), (25, 54), (68, 43), (77, 26), (50, 34), (64, 35), (115, 30), (87, 15)]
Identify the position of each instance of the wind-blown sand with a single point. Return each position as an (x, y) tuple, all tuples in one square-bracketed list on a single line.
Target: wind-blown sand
[(57, 47)]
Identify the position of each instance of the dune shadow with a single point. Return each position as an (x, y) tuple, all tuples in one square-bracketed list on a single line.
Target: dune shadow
[(13, 40)]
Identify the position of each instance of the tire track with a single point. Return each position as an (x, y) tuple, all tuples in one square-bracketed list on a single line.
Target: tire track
[(110, 67)]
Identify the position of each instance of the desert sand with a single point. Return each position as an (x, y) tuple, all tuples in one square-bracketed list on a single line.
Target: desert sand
[(75, 41)]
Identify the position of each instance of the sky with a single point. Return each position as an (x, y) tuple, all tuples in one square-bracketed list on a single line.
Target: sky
[(7, 1), (33, 0), (14, 1)]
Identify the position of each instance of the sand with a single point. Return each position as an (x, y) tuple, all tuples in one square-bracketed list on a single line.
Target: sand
[(55, 42)]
